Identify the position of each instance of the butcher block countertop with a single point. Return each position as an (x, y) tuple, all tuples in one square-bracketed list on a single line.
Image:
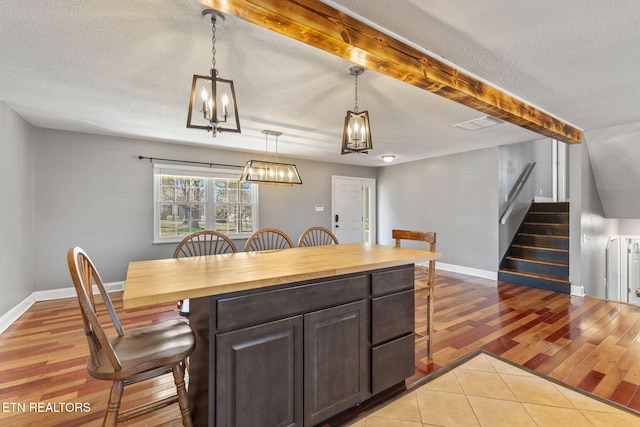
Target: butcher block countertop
[(175, 279)]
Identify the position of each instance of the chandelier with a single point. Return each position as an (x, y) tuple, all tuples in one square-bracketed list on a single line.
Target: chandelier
[(267, 172), (217, 101), (356, 137)]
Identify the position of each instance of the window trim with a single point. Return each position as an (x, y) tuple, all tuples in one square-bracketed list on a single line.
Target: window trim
[(209, 174)]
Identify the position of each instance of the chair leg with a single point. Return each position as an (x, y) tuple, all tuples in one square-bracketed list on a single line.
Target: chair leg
[(430, 324), (113, 406), (183, 397)]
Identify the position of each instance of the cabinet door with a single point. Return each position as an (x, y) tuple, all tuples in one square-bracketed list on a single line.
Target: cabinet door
[(336, 360), (259, 375)]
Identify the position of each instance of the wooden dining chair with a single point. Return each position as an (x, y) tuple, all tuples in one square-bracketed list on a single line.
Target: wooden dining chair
[(133, 356), (268, 239), (317, 236), (420, 286), (207, 242)]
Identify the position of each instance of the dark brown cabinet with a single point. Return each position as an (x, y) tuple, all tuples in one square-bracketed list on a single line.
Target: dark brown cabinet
[(259, 375), (335, 360), (300, 353)]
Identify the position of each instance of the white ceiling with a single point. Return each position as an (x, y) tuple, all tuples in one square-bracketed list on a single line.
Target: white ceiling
[(124, 68)]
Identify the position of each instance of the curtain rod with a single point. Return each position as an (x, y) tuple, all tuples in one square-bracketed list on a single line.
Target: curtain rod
[(151, 159)]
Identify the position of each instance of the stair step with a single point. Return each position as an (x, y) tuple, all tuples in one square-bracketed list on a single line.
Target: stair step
[(537, 261), (548, 217), (546, 229), (539, 281), (543, 241), (540, 254), (537, 276), (550, 207), (524, 265)]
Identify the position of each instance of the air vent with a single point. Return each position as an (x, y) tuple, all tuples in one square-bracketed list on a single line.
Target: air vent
[(475, 124)]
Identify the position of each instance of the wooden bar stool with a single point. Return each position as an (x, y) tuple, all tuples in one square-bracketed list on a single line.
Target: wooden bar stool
[(131, 357), (428, 237)]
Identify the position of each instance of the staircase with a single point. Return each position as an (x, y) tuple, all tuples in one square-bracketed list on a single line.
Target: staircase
[(539, 254)]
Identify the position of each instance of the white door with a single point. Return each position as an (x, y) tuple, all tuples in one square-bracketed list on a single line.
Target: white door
[(353, 209), (633, 271)]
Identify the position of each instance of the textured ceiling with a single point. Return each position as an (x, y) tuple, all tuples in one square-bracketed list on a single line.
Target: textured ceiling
[(124, 68)]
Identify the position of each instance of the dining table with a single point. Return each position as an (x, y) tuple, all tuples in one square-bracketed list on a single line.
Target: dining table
[(291, 336)]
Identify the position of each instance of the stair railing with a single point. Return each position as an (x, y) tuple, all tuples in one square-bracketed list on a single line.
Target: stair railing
[(515, 191)]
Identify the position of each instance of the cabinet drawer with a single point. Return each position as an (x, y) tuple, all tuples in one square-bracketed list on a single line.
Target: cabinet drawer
[(392, 363), (392, 316), (392, 281), (240, 310)]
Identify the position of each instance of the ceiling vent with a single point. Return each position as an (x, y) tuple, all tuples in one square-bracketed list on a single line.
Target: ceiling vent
[(475, 124)]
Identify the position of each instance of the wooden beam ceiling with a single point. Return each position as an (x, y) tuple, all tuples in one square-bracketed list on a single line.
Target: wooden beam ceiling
[(319, 25)]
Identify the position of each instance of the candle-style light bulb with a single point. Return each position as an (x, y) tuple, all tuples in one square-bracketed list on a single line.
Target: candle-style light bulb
[(211, 108), (204, 95), (355, 129), (225, 103)]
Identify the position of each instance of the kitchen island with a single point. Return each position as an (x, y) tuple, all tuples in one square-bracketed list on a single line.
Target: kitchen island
[(289, 337)]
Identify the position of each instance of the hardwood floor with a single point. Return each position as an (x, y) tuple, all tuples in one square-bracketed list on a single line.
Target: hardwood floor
[(588, 343)]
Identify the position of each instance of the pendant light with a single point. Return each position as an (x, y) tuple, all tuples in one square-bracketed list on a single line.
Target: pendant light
[(267, 172), (214, 97), (356, 137)]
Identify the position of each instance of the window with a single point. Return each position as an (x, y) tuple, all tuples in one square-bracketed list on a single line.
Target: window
[(190, 199)]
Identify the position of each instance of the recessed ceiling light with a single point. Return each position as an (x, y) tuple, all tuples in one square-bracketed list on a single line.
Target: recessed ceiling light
[(388, 158), (482, 122)]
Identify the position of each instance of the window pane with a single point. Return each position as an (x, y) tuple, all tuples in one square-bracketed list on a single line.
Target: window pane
[(246, 219), (191, 219), (227, 218), (233, 194), (220, 191), (245, 195), (167, 221)]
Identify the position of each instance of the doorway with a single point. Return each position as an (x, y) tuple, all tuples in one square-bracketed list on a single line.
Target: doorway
[(560, 167), (353, 209), (622, 269)]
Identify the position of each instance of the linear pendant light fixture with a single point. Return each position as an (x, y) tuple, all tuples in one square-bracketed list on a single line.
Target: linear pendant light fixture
[(266, 172), (356, 137), (217, 97)]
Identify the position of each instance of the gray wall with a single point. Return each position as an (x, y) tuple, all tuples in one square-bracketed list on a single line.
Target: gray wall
[(16, 215), (455, 196), (594, 229), (512, 160), (93, 191)]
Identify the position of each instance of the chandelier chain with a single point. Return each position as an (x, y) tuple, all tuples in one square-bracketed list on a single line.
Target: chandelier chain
[(214, 72), (355, 110)]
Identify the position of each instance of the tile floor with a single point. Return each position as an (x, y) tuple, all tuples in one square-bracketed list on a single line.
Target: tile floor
[(485, 391)]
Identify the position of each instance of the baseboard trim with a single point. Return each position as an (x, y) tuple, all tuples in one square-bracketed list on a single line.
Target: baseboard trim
[(14, 314), (577, 291), (71, 292), (485, 274)]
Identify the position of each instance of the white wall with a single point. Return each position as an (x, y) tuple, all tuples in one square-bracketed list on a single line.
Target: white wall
[(589, 230), (94, 192), (16, 215), (455, 196), (629, 227)]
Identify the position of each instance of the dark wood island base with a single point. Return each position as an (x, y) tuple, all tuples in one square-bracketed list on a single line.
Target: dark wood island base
[(297, 354)]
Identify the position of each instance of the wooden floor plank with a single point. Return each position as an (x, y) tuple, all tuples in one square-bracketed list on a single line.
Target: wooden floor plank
[(587, 342)]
